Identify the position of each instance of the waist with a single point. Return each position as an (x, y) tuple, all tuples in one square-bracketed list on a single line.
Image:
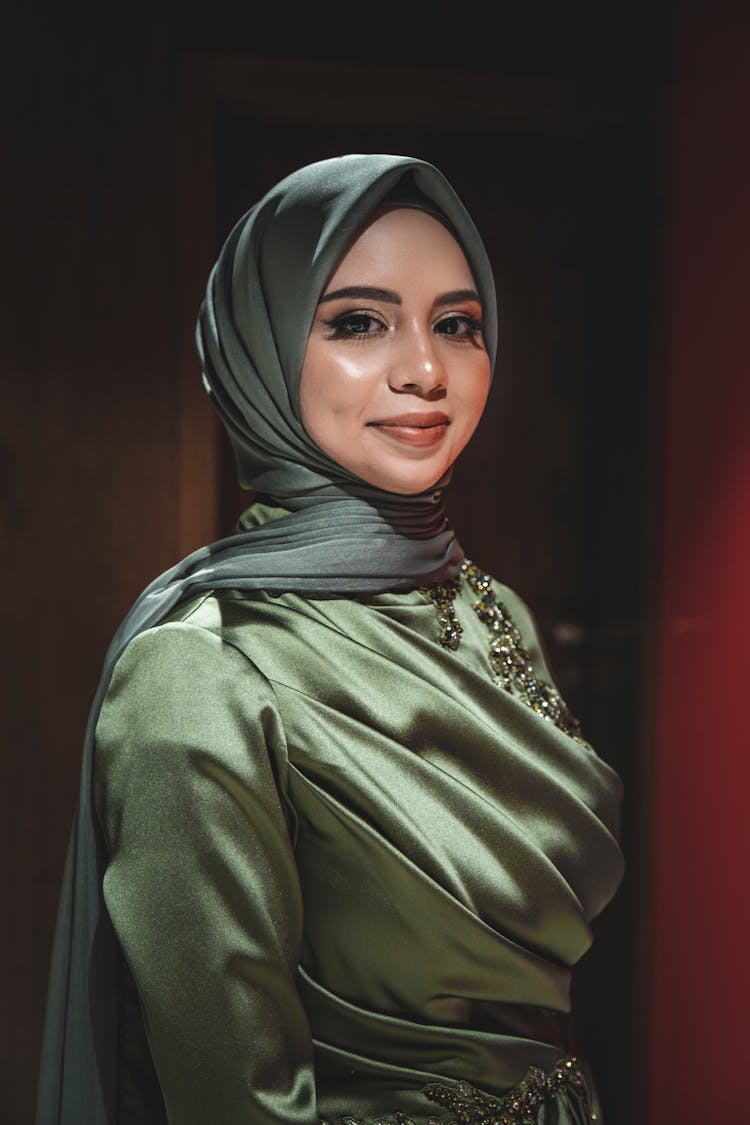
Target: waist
[(566, 1086)]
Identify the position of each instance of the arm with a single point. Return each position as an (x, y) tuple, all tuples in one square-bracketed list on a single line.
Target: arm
[(201, 883)]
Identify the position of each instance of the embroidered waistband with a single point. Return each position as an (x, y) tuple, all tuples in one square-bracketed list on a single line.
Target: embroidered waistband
[(520, 1106)]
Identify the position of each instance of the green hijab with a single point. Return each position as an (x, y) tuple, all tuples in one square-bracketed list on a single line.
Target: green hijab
[(261, 299), (342, 536)]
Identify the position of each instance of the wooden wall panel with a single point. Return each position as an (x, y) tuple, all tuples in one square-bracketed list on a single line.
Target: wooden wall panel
[(88, 440)]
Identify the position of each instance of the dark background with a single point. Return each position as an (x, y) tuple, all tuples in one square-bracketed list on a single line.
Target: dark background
[(134, 138)]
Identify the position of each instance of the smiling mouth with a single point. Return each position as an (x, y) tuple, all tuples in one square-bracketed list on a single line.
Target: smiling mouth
[(414, 429)]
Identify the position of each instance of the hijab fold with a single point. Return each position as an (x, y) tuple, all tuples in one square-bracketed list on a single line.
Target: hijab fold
[(342, 537)]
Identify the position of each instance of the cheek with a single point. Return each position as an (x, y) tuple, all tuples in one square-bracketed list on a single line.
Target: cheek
[(484, 395), (335, 383), (327, 398), (478, 388), (350, 370)]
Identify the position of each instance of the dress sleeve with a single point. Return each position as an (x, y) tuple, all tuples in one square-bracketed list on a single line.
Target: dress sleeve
[(201, 883)]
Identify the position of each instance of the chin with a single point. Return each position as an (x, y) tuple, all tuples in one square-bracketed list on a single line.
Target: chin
[(405, 484), (413, 490)]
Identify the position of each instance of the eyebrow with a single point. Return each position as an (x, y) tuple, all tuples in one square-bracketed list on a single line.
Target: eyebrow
[(374, 293), (457, 295), (371, 292)]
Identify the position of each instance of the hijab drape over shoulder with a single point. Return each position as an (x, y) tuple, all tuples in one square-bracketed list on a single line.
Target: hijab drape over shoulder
[(342, 536)]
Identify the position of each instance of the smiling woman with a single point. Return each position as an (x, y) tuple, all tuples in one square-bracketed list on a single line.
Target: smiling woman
[(339, 840), (396, 374)]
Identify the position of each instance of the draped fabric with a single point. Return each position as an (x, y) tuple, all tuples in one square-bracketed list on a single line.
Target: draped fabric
[(375, 867)]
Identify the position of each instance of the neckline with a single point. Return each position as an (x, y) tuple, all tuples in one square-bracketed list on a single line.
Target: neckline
[(510, 660)]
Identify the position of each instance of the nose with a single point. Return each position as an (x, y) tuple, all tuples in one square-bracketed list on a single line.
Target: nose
[(417, 368)]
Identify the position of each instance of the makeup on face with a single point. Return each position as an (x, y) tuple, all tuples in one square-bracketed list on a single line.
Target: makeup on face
[(395, 374)]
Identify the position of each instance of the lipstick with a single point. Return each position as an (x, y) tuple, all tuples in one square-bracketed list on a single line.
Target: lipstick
[(417, 428)]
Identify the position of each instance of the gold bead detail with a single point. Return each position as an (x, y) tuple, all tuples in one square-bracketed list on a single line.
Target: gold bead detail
[(510, 661)]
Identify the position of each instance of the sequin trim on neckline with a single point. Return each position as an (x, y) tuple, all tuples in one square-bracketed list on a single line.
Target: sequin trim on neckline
[(509, 658), (520, 1106)]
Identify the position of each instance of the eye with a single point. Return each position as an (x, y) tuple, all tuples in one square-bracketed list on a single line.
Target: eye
[(463, 327), (351, 326)]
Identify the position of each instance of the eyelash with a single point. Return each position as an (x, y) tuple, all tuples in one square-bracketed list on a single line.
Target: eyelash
[(342, 326)]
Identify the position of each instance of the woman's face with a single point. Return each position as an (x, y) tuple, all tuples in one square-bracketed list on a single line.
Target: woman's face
[(395, 374)]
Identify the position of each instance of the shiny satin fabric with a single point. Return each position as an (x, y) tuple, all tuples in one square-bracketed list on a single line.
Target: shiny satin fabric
[(343, 862)]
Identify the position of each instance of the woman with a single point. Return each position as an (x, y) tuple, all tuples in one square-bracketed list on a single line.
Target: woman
[(347, 835)]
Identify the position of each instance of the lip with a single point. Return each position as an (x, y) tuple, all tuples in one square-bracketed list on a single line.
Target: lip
[(418, 427), (414, 418)]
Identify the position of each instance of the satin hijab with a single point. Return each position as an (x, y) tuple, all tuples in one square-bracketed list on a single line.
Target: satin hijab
[(341, 536), (261, 299)]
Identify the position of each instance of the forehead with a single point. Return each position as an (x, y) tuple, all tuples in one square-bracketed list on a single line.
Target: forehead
[(401, 243)]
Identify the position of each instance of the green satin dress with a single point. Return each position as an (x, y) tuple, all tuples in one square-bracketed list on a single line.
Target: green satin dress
[(346, 868)]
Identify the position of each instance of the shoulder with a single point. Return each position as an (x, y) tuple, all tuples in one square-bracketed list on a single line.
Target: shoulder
[(183, 682), (192, 647), (184, 705), (285, 637), (223, 631)]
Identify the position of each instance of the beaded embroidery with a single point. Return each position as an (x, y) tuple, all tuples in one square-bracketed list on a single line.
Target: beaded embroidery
[(443, 598), (509, 657), (397, 1119), (520, 1106)]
